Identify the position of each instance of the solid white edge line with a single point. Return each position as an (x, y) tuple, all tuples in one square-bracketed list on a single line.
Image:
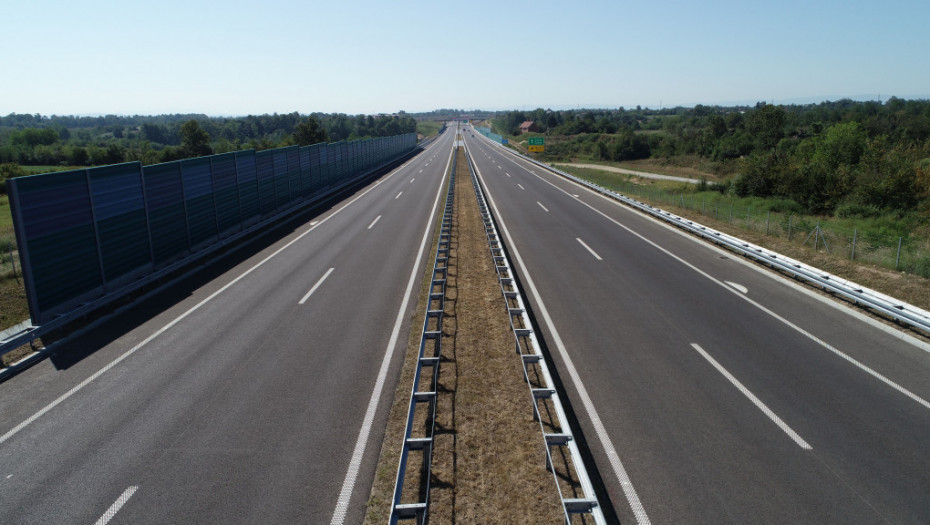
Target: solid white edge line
[(628, 490), (181, 317), (594, 253), (543, 207), (378, 218), (118, 504), (348, 484), (861, 366), (755, 400), (315, 286)]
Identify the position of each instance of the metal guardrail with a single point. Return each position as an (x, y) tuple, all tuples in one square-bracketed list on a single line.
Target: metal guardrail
[(427, 358), (27, 333), (897, 310), (536, 374)]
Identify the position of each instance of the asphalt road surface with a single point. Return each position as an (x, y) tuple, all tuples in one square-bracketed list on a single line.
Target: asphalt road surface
[(252, 393), (709, 390)]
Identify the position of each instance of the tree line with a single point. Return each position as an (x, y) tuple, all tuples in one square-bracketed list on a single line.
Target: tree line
[(37, 140), (848, 158)]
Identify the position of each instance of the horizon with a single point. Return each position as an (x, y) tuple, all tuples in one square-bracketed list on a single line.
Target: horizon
[(803, 101), (181, 57)]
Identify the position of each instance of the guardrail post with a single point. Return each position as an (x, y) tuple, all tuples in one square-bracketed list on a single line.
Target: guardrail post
[(852, 256)]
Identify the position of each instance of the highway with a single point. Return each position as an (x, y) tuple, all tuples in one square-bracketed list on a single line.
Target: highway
[(709, 390), (255, 391)]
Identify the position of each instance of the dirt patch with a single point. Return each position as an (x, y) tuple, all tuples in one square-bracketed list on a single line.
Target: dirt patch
[(488, 458)]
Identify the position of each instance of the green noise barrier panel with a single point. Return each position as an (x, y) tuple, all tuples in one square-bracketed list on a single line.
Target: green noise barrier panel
[(85, 234)]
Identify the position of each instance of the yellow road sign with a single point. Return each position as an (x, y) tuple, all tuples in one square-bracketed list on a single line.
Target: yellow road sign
[(535, 148)]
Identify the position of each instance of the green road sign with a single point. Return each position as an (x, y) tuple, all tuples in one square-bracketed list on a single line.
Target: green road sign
[(536, 141)]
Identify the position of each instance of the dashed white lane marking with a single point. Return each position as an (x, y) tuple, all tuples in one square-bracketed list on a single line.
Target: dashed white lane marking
[(118, 504), (398, 195), (372, 225), (541, 206), (642, 518), (75, 389), (505, 173), (755, 400), (739, 287), (315, 286), (413, 179), (594, 253), (521, 187), (348, 484)]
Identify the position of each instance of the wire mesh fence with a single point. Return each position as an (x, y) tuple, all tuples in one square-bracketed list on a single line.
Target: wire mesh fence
[(909, 254)]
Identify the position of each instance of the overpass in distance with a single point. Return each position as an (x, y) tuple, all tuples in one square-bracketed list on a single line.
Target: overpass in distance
[(708, 390)]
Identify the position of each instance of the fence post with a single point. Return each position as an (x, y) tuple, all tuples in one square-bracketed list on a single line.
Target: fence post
[(852, 256), (9, 246), (897, 261)]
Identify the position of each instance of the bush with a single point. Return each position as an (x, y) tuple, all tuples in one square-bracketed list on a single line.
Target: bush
[(8, 171)]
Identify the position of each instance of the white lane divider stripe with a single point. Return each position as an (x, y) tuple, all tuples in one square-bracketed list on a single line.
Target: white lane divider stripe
[(398, 195), (755, 400), (521, 187), (348, 484), (541, 206), (505, 173), (75, 389), (315, 286), (413, 179), (836, 351), (378, 218), (118, 504), (639, 511), (594, 253)]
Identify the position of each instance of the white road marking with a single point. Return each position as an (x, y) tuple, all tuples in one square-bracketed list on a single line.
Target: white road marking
[(348, 484), (541, 206), (315, 286), (398, 195), (75, 389), (521, 187), (421, 170), (861, 366), (739, 287), (413, 179), (118, 504), (755, 400), (505, 173), (378, 218), (314, 223), (596, 256), (619, 471)]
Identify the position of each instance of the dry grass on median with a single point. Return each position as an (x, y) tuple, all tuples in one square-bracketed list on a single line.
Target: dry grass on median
[(488, 460)]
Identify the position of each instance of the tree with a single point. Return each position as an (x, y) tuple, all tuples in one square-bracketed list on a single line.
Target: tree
[(309, 132), (195, 142)]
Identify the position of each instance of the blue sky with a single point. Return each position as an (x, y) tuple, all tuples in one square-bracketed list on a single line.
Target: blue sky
[(360, 56)]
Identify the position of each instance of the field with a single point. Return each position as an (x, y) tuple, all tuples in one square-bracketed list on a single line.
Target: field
[(428, 128)]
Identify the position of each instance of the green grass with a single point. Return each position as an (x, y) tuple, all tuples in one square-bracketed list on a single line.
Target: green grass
[(428, 128), (876, 238)]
